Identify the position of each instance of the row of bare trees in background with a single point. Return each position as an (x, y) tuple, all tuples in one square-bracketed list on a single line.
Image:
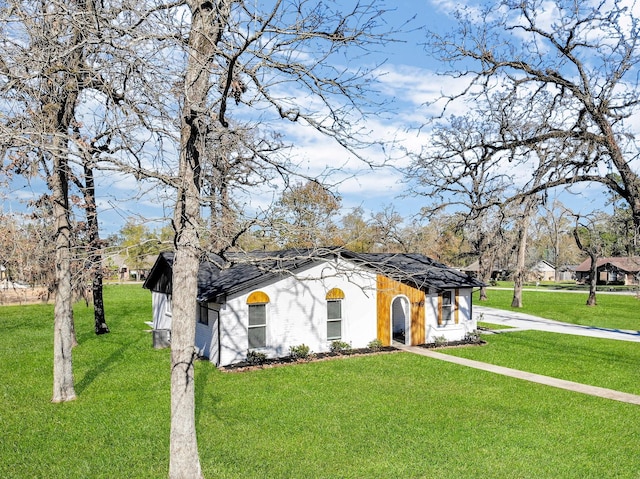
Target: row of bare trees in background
[(309, 216), (188, 94)]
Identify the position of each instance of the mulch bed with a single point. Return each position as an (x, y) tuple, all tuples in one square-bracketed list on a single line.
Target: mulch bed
[(275, 362), (453, 344)]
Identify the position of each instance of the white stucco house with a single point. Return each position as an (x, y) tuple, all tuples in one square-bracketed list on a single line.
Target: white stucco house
[(270, 301)]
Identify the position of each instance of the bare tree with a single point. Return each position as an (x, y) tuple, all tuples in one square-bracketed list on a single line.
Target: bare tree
[(527, 204), (94, 245), (41, 69), (458, 170), (571, 68), (235, 161), (305, 216), (232, 51), (555, 222), (588, 235), (523, 219), (179, 73)]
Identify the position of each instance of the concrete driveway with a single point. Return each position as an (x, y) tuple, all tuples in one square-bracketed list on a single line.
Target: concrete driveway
[(521, 321)]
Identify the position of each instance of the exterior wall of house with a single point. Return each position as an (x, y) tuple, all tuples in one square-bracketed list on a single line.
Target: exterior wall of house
[(542, 271), (426, 313), (161, 304), (206, 341), (297, 312), (462, 321), (388, 290)]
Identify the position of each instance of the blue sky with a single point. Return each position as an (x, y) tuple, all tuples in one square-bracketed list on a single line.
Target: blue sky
[(407, 80)]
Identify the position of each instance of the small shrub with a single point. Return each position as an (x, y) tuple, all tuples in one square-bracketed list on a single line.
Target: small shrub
[(440, 340), (340, 347), (256, 358), (472, 337), (300, 352), (375, 345)]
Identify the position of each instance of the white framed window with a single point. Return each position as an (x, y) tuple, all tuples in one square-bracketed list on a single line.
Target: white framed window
[(334, 319), (257, 327), (446, 312), (334, 299)]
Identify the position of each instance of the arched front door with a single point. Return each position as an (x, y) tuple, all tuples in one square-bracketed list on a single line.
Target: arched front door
[(401, 320)]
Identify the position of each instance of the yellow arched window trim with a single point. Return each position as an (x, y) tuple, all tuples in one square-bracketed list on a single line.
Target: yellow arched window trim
[(258, 297), (335, 293)]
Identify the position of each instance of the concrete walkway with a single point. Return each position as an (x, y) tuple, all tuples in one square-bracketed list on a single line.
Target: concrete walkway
[(536, 378), (521, 321)]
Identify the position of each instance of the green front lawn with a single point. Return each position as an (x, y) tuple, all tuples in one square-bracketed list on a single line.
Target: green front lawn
[(598, 362), (384, 416), (614, 311)]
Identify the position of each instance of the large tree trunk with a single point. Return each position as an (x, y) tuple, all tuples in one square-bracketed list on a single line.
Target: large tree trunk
[(593, 280), (100, 323), (206, 22), (95, 258), (630, 189), (63, 336), (485, 269), (593, 268), (58, 108), (518, 282), (518, 277), (184, 459)]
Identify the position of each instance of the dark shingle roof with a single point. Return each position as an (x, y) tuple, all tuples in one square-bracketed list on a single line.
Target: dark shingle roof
[(217, 278), (251, 269), (160, 278), (415, 269)]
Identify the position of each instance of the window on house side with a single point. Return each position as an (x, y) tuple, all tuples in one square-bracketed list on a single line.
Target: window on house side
[(447, 307), (203, 314), (257, 326), (334, 319)]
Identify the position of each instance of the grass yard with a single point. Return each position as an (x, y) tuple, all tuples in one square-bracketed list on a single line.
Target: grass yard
[(598, 362), (385, 416), (615, 311)]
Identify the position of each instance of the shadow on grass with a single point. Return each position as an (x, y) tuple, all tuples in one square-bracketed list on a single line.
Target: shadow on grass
[(201, 397), (115, 357)]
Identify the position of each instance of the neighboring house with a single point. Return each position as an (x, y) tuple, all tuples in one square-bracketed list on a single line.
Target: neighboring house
[(121, 266), (567, 272), (542, 271), (271, 301), (612, 270), (497, 272)]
